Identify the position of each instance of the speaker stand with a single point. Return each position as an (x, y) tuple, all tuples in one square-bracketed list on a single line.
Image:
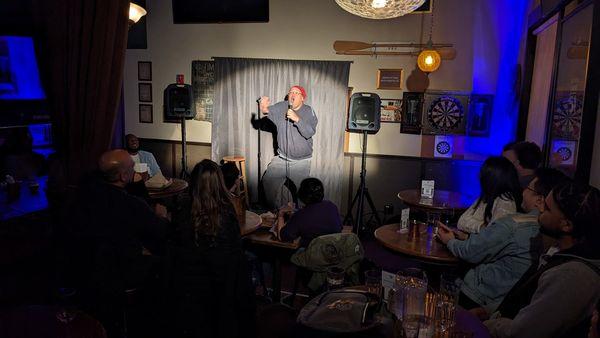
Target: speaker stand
[(358, 226), (184, 174)]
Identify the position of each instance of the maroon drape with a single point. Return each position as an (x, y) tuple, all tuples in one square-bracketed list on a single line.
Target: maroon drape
[(81, 44)]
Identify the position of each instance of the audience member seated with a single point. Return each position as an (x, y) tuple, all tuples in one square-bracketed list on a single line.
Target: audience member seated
[(212, 282), (526, 157), (115, 238), (139, 156), (500, 195), (318, 217), (18, 159), (557, 298), (504, 250)]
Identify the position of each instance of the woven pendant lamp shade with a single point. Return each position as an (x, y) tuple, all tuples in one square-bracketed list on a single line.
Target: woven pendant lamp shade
[(380, 9)]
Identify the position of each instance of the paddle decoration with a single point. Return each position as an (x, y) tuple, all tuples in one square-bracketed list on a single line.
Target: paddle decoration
[(388, 48)]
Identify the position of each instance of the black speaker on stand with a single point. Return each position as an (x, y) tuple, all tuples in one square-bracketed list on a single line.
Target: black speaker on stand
[(363, 117), (179, 103)]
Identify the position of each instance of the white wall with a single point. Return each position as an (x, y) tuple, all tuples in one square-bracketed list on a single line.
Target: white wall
[(172, 48)]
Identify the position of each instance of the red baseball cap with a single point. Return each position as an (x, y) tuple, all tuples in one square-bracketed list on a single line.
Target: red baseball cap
[(301, 89)]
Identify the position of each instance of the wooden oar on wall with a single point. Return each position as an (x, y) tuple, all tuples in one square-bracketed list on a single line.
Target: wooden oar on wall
[(445, 53), (342, 46)]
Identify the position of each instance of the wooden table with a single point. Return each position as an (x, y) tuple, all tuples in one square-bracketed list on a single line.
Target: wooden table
[(443, 200), (174, 189), (423, 246)]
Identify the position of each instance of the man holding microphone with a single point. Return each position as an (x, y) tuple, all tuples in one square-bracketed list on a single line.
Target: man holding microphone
[(296, 124)]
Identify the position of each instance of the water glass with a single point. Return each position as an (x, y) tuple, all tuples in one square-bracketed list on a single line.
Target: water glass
[(335, 278), (373, 281), (408, 294), (417, 326), (447, 301)]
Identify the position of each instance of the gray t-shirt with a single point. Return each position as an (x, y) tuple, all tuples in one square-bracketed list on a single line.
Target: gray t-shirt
[(294, 139)]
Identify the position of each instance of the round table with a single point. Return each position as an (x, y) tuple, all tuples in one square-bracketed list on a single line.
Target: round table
[(174, 189), (443, 200), (423, 245)]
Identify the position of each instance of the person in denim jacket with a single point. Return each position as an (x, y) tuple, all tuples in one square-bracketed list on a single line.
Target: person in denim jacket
[(503, 250)]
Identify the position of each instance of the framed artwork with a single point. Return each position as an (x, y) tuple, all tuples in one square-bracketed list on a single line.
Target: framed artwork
[(480, 115), (144, 71), (389, 79), (391, 110), (145, 92), (563, 152), (203, 83), (443, 146), (145, 113), (412, 109), (444, 113)]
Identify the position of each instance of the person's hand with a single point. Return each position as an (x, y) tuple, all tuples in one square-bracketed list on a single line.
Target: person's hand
[(461, 235), (264, 104), (291, 114), (160, 210), (286, 209), (444, 233), (137, 177), (480, 313)]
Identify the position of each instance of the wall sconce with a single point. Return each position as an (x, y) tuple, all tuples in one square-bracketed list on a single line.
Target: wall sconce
[(135, 13)]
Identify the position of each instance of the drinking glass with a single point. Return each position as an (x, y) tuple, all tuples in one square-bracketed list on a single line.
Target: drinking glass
[(335, 278), (417, 326), (373, 281), (447, 301), (408, 294)]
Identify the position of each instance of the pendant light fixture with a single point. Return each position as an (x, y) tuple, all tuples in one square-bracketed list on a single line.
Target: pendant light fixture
[(429, 60), (380, 9)]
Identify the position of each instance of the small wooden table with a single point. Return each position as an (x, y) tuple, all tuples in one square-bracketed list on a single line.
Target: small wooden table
[(424, 246), (174, 189), (443, 200)]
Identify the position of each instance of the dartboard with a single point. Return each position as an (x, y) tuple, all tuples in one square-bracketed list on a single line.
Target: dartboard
[(445, 113), (567, 116), (565, 153), (443, 147)]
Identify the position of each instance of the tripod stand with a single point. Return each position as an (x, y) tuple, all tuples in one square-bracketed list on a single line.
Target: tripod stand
[(358, 226), (184, 174)]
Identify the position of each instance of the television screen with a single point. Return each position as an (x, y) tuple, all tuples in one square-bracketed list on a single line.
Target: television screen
[(220, 11), (19, 76)]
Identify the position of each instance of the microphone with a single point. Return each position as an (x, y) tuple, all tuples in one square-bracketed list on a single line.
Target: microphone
[(258, 100), (289, 107)]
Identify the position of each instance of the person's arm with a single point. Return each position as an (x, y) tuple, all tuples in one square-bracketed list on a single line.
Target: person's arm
[(478, 247), (151, 228), (563, 297), (307, 124), (154, 168), (291, 230)]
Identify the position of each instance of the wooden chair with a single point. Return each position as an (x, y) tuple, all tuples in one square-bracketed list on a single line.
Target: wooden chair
[(240, 163)]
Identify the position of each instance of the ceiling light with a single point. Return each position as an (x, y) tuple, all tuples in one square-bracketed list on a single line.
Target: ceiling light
[(135, 12), (380, 9)]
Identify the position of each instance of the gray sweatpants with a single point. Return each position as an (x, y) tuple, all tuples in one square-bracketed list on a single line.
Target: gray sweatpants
[(274, 178)]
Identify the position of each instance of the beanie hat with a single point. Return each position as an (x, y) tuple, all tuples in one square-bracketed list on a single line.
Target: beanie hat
[(301, 89)]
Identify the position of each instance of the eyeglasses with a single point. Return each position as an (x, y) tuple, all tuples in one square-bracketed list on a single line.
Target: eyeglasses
[(295, 92), (535, 191)]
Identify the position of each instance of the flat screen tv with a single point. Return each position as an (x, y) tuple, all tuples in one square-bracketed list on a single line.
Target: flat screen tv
[(22, 97), (220, 11)]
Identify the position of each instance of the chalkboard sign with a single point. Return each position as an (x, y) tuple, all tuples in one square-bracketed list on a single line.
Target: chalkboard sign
[(389, 79), (203, 84)]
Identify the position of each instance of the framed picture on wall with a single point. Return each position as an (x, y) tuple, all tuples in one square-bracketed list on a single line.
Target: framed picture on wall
[(480, 115), (412, 109), (144, 71), (389, 79), (145, 113), (391, 110), (145, 92)]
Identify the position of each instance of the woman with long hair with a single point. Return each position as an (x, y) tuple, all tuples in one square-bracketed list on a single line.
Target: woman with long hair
[(501, 194), (210, 273)]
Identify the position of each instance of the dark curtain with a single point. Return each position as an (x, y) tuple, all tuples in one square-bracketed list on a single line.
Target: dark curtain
[(81, 51)]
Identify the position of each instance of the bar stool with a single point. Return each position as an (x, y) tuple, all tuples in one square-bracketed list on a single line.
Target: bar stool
[(240, 163)]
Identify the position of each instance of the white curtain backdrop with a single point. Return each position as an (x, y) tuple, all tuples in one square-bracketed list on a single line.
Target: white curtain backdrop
[(239, 82)]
